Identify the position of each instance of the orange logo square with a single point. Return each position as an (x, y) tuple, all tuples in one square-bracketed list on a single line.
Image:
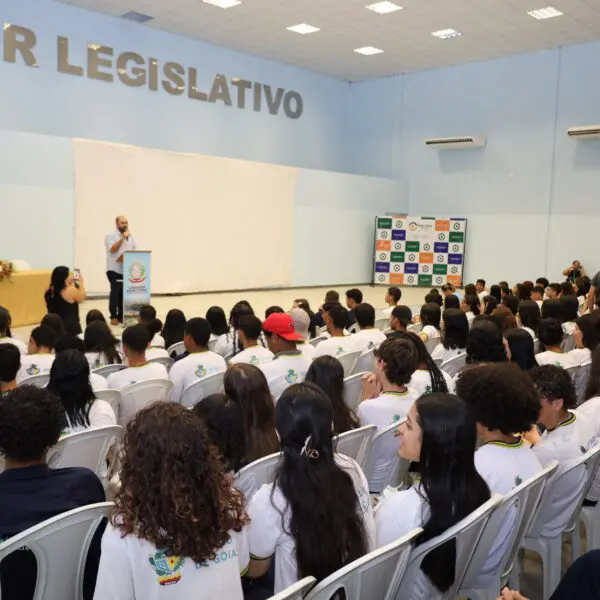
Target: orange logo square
[(397, 278), (426, 257), (384, 245), (442, 225), (455, 280)]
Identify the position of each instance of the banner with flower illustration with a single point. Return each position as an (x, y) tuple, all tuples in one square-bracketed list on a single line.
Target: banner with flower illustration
[(136, 283)]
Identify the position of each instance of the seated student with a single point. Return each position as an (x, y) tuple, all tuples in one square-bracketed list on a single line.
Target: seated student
[(338, 344), (327, 373), (582, 289), (485, 343), (74, 342), (552, 309), (530, 317), (316, 517), (391, 299), (537, 295), (567, 289), (230, 344), (480, 288), (431, 316), (455, 331), (135, 344), (551, 337), (70, 381), (302, 325), (219, 329), (311, 330), (553, 291), (440, 434), (542, 281), (273, 309), (101, 346), (570, 312), (289, 364), (496, 293), (246, 385), (330, 297), (470, 305), (148, 313), (249, 333), (200, 361), (489, 304), (591, 404), (10, 363), (154, 327), (504, 318), (57, 325), (354, 297), (504, 290), (522, 292), (400, 320), (40, 356), (177, 529), (31, 421), (435, 297), (174, 327), (587, 338), (93, 316), (520, 348), (367, 337), (451, 301), (511, 302), (448, 289), (5, 333)]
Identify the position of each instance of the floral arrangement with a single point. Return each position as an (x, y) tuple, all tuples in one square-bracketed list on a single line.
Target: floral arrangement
[(6, 269)]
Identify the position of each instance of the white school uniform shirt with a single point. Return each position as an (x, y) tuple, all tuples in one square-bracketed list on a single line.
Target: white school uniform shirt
[(133, 568), (307, 349), (156, 353), (98, 359), (255, 355), (559, 359), (482, 295), (446, 353), (268, 529), (470, 316), (336, 346), (98, 382), (387, 312), (367, 339), (431, 332), (34, 364), (224, 344), (569, 328), (130, 375), (18, 343), (101, 415), (530, 332), (580, 356), (421, 382), (284, 370), (158, 341), (191, 368)]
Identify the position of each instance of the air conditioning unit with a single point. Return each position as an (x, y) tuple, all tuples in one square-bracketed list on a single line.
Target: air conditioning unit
[(591, 132), (467, 141)]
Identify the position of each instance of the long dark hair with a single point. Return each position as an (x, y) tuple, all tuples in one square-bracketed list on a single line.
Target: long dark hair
[(247, 386), (325, 509), (215, 316), (431, 313), (327, 372), (485, 343), (590, 328), (450, 483), (521, 347), (438, 382), (473, 302), (99, 338), (70, 381), (174, 327), (490, 304), (496, 292), (55, 323), (239, 310), (456, 329), (57, 282), (592, 388), (530, 315)]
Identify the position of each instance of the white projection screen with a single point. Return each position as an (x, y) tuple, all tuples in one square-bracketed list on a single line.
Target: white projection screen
[(211, 223)]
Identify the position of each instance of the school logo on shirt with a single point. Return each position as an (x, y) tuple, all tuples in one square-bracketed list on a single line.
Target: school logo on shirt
[(518, 481), (97, 364), (200, 371), (166, 567), (371, 346), (427, 389), (33, 370), (340, 351), (254, 360), (291, 376)]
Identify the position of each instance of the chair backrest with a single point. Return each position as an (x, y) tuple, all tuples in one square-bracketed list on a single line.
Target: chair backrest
[(107, 370), (581, 380), (355, 443), (438, 361), (353, 390), (60, 546), (317, 340), (572, 371), (321, 330), (228, 357), (261, 471), (466, 533), (415, 327), (295, 591), (348, 361), (138, 395), (537, 346), (365, 362), (375, 576), (211, 384), (113, 397), (453, 365), (382, 323), (568, 343), (85, 449), (39, 381), (163, 360), (177, 348)]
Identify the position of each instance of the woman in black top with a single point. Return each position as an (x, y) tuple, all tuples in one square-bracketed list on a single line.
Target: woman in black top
[(63, 298)]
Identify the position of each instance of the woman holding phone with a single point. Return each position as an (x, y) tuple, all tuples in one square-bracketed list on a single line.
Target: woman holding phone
[(63, 297)]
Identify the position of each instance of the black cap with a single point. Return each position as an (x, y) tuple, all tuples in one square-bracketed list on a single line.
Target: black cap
[(403, 314)]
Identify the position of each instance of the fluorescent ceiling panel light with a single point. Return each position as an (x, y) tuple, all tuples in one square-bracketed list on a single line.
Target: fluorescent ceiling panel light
[(137, 17), (302, 28), (368, 50), (384, 8), (445, 34), (223, 3), (545, 13)]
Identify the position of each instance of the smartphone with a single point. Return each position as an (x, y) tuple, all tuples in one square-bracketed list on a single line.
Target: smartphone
[(76, 274)]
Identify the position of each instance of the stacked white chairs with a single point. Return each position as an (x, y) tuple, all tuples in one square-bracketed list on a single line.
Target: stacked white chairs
[(113, 397), (295, 591), (107, 370), (365, 362), (251, 477), (348, 361), (375, 576), (39, 381), (353, 390), (195, 392), (355, 443), (178, 349), (139, 395), (163, 360), (453, 365), (60, 546), (382, 323)]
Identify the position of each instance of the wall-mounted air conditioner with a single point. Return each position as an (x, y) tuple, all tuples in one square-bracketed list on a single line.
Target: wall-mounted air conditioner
[(467, 141), (590, 132)]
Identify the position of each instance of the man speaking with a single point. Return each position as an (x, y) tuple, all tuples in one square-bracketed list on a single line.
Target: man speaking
[(116, 244)]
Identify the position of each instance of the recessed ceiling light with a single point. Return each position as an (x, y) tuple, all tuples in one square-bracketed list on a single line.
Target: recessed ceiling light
[(223, 3), (368, 50), (384, 8), (545, 13), (445, 34), (137, 17), (303, 28)]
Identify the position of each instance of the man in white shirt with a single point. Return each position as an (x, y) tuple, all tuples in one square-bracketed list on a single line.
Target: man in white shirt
[(5, 335), (116, 243), (10, 363), (146, 316), (368, 337), (200, 361), (391, 299), (40, 357), (537, 295), (289, 364), (135, 342), (480, 289), (335, 317), (400, 320), (302, 325), (249, 330)]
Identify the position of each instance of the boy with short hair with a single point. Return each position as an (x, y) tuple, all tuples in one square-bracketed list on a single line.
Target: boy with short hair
[(480, 287), (353, 298), (401, 319), (249, 330), (146, 316), (368, 337), (40, 356), (338, 343), (392, 298), (537, 295)]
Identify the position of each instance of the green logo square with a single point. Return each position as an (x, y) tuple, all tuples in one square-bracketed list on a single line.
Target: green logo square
[(457, 236), (413, 246), (384, 223), (397, 257), (425, 280), (440, 269)]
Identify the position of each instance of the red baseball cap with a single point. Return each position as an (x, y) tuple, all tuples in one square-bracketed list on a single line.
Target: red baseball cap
[(282, 325)]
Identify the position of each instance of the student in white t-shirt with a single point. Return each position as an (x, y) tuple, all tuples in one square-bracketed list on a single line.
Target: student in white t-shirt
[(590, 407), (368, 337), (254, 353), (289, 364), (400, 319), (455, 332), (135, 342), (200, 361), (431, 315), (440, 432), (570, 312), (301, 320), (480, 289), (10, 363), (177, 531), (587, 338), (228, 343), (551, 337), (485, 343), (101, 346), (317, 516), (40, 356), (70, 381), (471, 306), (537, 295), (530, 317), (338, 344), (391, 299), (147, 316), (220, 334)]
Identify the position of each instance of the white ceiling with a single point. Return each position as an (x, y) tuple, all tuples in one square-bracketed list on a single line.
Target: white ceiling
[(490, 28)]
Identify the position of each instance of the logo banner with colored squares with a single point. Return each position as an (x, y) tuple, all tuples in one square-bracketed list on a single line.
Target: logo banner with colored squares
[(419, 251)]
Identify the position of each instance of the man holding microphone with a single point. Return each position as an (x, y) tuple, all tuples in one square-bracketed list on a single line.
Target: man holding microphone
[(116, 244)]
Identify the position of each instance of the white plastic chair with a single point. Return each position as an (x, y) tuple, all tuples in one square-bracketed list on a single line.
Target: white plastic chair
[(415, 327), (365, 363), (382, 323), (453, 365), (466, 532), (353, 390), (211, 384), (572, 371), (317, 340), (39, 381), (581, 380), (375, 576), (295, 591), (438, 361), (163, 360), (355, 443), (568, 343), (537, 346), (249, 478), (178, 349), (321, 330), (138, 395), (60, 546), (113, 397), (348, 361), (431, 344), (107, 370)]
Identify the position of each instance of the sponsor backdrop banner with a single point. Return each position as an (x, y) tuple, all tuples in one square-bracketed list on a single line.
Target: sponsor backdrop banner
[(419, 251), (136, 283)]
